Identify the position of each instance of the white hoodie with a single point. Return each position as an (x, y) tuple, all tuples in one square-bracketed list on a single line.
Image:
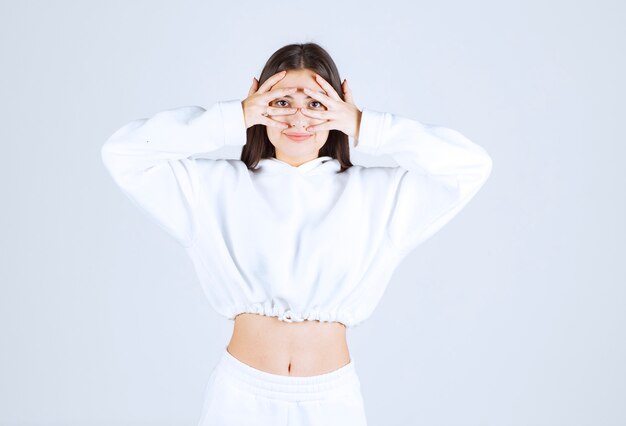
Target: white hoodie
[(299, 243)]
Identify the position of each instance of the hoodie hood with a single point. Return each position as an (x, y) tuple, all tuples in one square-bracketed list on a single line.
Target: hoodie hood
[(323, 164)]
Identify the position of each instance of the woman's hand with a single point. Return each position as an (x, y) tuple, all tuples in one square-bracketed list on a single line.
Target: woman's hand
[(258, 100), (342, 116)]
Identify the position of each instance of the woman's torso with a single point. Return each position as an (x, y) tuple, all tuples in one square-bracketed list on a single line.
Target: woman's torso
[(305, 348)]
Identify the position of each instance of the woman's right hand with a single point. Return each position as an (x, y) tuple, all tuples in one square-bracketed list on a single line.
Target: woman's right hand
[(258, 101)]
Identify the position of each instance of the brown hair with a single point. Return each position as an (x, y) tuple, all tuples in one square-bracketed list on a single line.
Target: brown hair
[(294, 57)]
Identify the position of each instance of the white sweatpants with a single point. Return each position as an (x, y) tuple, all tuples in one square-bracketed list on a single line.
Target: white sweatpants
[(239, 394)]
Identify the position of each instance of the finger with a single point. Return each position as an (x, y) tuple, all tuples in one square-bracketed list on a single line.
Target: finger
[(275, 123), (347, 93), (330, 90), (319, 115), (267, 84), (320, 127), (325, 99), (280, 111), (277, 93), (253, 87)]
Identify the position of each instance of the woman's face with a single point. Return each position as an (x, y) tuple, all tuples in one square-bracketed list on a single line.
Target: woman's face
[(296, 152)]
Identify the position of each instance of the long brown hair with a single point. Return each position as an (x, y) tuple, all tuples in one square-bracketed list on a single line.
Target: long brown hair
[(294, 57)]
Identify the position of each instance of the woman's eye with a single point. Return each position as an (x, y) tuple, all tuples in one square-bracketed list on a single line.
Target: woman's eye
[(315, 104)]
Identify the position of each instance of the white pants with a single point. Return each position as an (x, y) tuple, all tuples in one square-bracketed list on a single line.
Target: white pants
[(239, 394)]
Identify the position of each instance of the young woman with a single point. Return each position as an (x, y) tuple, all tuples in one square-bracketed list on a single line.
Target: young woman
[(292, 242)]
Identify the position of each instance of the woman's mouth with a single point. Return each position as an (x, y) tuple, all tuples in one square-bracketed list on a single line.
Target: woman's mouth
[(298, 136)]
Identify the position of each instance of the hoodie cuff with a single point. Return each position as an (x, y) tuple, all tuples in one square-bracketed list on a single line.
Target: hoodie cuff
[(369, 131), (234, 122)]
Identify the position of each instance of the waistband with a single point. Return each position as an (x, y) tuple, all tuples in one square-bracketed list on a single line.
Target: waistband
[(321, 386)]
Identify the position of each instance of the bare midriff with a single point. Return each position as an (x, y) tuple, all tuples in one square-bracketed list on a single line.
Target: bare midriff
[(305, 348)]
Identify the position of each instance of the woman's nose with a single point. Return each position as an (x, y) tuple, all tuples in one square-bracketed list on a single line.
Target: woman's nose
[(298, 116)]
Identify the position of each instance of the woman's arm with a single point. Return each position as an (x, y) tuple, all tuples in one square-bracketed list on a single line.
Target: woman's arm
[(150, 159), (439, 172)]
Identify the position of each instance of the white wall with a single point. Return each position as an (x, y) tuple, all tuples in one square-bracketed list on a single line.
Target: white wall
[(513, 314)]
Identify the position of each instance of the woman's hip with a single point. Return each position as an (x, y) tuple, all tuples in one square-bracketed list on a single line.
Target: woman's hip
[(237, 393)]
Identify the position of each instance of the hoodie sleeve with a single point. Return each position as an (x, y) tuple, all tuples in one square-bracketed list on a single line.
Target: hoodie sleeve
[(439, 172), (152, 160)]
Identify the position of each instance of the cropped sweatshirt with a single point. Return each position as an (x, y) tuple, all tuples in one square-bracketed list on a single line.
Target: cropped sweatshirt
[(303, 242)]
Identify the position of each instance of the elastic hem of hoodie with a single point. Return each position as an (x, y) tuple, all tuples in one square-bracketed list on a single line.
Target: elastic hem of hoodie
[(289, 315)]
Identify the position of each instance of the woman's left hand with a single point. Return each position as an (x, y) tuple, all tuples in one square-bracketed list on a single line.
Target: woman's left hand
[(340, 115)]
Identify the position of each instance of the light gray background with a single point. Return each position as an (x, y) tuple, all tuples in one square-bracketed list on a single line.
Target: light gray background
[(513, 314)]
